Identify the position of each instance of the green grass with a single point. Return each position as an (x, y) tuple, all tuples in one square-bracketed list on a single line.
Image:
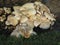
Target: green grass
[(46, 38)]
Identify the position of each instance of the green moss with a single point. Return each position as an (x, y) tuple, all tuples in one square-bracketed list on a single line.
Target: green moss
[(47, 38)]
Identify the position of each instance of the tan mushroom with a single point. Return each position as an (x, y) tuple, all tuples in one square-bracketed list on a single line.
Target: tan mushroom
[(23, 19), (49, 16), (42, 7), (28, 6), (16, 8), (2, 18), (44, 25), (7, 10), (11, 21)]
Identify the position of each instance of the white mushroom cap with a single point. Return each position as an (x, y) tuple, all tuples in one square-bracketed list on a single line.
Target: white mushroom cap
[(30, 23), (36, 23), (37, 3), (45, 8), (16, 8), (44, 25), (11, 21), (28, 6), (31, 11), (17, 17), (31, 17), (7, 10), (49, 16), (23, 19)]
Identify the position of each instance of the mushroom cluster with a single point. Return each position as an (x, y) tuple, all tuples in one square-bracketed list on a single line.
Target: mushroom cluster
[(28, 16), (4, 12)]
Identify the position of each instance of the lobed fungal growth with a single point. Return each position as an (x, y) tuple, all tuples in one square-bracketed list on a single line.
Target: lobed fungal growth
[(25, 17)]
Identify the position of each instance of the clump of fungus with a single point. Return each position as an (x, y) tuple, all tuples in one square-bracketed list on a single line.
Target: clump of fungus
[(27, 16)]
